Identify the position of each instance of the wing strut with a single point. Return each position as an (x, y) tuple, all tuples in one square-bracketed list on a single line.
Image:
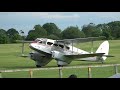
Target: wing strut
[(92, 47), (72, 46), (23, 48)]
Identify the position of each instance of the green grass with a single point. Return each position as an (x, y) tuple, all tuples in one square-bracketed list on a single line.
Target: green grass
[(10, 59)]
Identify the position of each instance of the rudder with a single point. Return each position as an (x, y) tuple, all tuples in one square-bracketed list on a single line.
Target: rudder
[(103, 48)]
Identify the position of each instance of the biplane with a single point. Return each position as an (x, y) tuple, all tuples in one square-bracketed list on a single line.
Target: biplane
[(64, 52)]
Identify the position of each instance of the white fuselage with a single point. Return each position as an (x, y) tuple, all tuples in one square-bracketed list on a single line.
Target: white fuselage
[(48, 45)]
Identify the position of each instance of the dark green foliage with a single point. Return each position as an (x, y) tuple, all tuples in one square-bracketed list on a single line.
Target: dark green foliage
[(52, 29), (91, 30), (114, 29), (31, 35), (54, 37), (72, 32), (39, 32), (13, 35), (3, 37), (110, 30)]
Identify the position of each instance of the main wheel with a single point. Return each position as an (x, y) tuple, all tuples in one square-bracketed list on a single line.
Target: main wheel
[(38, 66), (60, 66), (102, 62)]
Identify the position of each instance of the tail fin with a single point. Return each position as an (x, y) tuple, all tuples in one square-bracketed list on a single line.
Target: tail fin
[(104, 48)]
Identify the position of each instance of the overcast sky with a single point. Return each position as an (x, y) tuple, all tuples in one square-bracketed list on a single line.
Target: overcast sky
[(26, 20)]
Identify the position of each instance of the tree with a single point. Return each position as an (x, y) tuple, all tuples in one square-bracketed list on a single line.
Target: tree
[(22, 36), (72, 32), (13, 35), (38, 32), (3, 37), (105, 30), (91, 30), (52, 29), (53, 37), (88, 30), (114, 29), (32, 35)]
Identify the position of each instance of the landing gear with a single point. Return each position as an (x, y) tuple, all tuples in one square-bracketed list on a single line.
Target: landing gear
[(38, 66), (102, 62)]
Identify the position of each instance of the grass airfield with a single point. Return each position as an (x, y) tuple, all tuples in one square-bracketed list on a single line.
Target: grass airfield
[(10, 59)]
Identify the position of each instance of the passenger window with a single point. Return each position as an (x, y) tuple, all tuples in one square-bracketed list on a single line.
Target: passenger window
[(56, 45), (61, 46), (49, 43), (67, 47)]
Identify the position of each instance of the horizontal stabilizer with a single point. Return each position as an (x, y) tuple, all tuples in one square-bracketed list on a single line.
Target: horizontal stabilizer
[(108, 55), (84, 55)]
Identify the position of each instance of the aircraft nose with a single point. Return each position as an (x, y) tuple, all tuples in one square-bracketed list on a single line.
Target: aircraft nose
[(32, 45), (35, 46)]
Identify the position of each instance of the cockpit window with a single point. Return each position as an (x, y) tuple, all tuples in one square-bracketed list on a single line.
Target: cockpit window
[(39, 41), (49, 43)]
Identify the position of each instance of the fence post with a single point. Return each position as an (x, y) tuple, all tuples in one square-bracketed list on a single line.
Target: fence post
[(60, 72), (116, 69), (31, 73), (89, 72), (0, 74)]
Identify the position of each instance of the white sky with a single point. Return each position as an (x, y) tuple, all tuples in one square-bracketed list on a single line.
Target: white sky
[(26, 20)]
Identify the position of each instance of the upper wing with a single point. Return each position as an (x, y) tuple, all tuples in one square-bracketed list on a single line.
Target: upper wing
[(23, 41), (79, 40), (84, 55)]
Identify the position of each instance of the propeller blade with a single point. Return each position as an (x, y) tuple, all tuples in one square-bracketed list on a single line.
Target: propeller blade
[(25, 55)]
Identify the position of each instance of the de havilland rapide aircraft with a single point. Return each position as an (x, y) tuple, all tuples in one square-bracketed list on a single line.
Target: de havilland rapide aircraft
[(64, 52)]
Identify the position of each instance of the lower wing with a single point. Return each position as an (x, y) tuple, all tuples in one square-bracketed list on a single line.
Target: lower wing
[(84, 55)]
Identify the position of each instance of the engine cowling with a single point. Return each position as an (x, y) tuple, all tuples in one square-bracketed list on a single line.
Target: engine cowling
[(59, 57), (55, 54), (41, 60)]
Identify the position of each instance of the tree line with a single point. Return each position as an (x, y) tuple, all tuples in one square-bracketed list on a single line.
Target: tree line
[(110, 30)]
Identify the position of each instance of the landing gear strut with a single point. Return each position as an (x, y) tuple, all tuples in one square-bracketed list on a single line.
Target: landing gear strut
[(102, 62)]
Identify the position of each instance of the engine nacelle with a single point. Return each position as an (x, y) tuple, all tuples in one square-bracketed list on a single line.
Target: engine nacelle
[(60, 58), (55, 54), (40, 60)]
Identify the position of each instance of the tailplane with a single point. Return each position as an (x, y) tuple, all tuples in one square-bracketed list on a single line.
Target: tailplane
[(104, 48)]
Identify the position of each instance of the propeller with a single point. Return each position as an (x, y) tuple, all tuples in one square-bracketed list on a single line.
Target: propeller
[(25, 55)]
